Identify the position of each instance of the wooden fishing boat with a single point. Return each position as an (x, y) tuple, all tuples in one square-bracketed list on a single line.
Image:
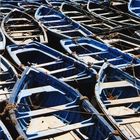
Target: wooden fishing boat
[(53, 62), (8, 77), (20, 28), (134, 7), (117, 94), (59, 24), (83, 17), (95, 53), (112, 15), (2, 41), (48, 108), (4, 133), (126, 40)]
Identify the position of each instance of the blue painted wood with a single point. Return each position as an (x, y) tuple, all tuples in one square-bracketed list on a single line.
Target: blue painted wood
[(4, 133), (134, 7), (95, 53), (55, 99), (53, 62), (117, 94), (59, 24)]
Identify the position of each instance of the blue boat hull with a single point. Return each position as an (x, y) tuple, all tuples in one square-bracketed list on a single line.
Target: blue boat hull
[(117, 94), (47, 98), (95, 53), (51, 61)]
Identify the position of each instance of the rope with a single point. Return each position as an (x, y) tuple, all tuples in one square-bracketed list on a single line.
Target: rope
[(8, 108), (20, 138)]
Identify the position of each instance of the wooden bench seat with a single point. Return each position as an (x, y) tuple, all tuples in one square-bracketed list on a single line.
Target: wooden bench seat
[(47, 110), (129, 120), (123, 101), (115, 84)]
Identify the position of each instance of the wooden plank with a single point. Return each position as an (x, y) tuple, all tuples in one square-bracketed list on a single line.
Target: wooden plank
[(45, 123), (28, 92), (60, 26), (115, 84), (125, 20), (52, 22), (89, 59), (49, 15), (95, 9), (105, 14), (131, 43), (18, 19), (127, 131), (94, 24), (122, 101), (96, 53), (72, 77), (61, 70), (120, 111), (47, 64), (129, 50), (47, 110), (69, 12), (136, 126), (24, 31), (4, 92), (78, 16), (132, 130), (21, 25), (85, 21), (67, 136), (24, 36), (110, 41), (6, 82), (60, 129), (128, 120), (114, 17)]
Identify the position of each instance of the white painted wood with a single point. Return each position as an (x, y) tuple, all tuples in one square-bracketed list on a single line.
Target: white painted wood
[(120, 111), (48, 123), (28, 92), (51, 125), (47, 110), (123, 101), (115, 84), (130, 120)]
